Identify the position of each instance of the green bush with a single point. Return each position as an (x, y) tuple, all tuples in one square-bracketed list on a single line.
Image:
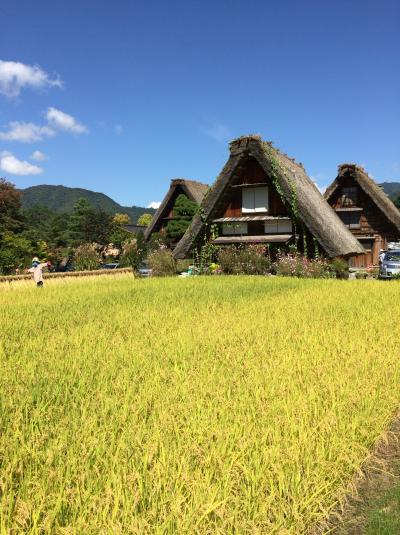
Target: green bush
[(340, 267), (361, 275), (162, 263), (15, 252), (86, 257)]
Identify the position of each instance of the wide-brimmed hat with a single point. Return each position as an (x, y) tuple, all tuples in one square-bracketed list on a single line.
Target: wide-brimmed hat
[(35, 260)]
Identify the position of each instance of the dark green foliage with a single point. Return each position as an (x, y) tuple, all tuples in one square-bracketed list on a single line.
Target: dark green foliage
[(15, 252), (184, 210), (340, 267), (118, 235), (177, 228), (42, 224), (61, 199), (88, 225), (10, 207), (396, 201), (393, 190), (14, 248)]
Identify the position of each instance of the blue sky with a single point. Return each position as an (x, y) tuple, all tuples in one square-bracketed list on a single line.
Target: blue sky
[(122, 96)]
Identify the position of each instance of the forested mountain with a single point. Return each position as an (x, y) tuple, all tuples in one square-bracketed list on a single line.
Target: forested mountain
[(391, 188), (61, 199)]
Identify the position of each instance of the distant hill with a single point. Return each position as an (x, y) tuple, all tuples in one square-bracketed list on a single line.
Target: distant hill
[(61, 199), (391, 188)]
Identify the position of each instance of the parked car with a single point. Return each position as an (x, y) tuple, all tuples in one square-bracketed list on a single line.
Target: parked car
[(144, 270), (390, 264), (110, 265)]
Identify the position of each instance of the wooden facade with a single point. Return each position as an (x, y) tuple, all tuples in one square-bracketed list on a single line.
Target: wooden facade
[(360, 204), (264, 196), (264, 224)]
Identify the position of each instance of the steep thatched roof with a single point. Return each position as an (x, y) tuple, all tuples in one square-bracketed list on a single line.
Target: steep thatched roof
[(193, 189), (370, 187), (291, 179)]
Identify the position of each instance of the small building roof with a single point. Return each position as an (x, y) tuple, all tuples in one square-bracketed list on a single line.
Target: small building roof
[(313, 210), (370, 187), (193, 189), (135, 229)]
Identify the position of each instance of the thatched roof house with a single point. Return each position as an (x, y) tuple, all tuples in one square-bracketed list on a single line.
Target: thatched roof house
[(263, 196), (193, 190), (365, 209)]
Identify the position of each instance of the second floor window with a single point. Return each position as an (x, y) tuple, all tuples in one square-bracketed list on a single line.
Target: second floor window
[(254, 200), (350, 219), (349, 196)]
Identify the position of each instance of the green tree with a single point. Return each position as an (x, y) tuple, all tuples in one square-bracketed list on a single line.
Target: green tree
[(184, 210), (121, 219), (89, 225), (11, 218), (42, 224), (15, 252), (14, 248), (396, 201), (145, 220), (118, 234)]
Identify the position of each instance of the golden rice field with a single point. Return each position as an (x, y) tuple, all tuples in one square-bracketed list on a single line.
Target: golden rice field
[(220, 405)]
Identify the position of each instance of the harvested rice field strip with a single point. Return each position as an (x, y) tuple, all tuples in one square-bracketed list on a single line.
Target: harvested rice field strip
[(207, 405)]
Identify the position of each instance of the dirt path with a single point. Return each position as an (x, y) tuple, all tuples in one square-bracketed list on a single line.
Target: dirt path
[(380, 475)]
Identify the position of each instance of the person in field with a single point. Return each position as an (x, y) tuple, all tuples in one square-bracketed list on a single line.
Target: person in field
[(37, 270)]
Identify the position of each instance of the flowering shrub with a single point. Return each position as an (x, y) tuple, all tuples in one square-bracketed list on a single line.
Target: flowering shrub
[(244, 259), (161, 262), (133, 253), (86, 257), (296, 265)]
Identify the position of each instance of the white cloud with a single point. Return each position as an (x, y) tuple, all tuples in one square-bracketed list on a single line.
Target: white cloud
[(26, 132), (15, 76), (60, 120), (154, 204), (57, 121), (217, 131), (118, 129), (38, 156), (10, 164)]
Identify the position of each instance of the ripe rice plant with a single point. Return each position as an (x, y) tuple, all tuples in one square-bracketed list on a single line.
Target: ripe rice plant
[(200, 405)]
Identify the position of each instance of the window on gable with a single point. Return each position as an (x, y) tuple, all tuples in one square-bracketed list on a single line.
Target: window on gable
[(234, 229), (350, 219), (349, 196), (278, 227), (254, 200)]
